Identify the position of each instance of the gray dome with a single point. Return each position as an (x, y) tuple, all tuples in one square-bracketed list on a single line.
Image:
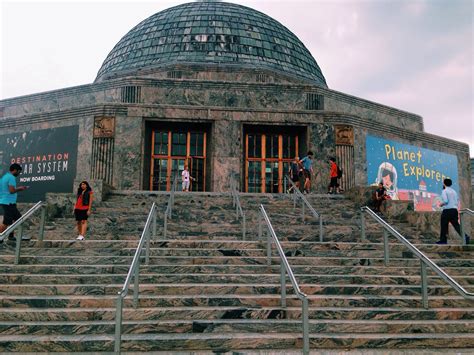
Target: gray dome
[(211, 33)]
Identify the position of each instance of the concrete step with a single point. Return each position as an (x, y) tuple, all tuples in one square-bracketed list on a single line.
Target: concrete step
[(353, 270), (57, 278), (237, 325), (231, 341), (226, 288), (213, 312), (58, 302), (192, 242), (224, 259)]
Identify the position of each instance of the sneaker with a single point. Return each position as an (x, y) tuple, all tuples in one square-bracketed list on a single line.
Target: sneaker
[(467, 239), (439, 242), (80, 237)]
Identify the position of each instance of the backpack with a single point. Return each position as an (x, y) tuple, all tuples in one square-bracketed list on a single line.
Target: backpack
[(339, 172)]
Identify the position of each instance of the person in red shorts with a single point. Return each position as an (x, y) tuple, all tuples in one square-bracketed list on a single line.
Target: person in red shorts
[(82, 208), (333, 175)]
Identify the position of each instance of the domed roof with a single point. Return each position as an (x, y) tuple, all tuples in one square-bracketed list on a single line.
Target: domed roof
[(211, 33)]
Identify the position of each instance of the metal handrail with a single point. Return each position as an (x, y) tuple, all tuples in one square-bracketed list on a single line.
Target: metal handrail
[(169, 206), (238, 207), (304, 202), (19, 225), (461, 216), (424, 260), (149, 231), (285, 268)]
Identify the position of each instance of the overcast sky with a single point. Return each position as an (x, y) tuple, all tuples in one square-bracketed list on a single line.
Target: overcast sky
[(413, 55)]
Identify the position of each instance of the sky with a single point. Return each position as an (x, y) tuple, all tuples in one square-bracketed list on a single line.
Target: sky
[(414, 55)]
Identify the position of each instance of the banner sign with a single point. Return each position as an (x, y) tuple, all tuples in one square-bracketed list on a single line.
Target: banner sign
[(409, 172), (48, 158)]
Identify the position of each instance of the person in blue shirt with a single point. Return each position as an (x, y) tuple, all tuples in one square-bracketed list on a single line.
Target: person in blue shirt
[(450, 203), (307, 163), (8, 195)]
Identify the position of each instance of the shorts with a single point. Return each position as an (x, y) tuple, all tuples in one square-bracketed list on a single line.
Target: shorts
[(295, 178), (307, 174), (10, 214), (333, 182), (185, 185), (81, 215)]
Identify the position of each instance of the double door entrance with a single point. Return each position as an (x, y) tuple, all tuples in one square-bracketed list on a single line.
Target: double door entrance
[(267, 160), (268, 153), (171, 151)]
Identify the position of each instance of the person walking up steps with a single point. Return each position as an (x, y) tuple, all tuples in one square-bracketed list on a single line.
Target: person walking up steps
[(8, 196), (82, 208), (295, 171), (450, 203), (307, 162)]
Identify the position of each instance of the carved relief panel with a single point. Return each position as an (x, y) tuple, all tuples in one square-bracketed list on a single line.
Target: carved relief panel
[(104, 127)]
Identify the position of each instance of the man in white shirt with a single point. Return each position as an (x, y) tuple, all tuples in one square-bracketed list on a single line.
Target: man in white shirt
[(185, 178), (450, 203)]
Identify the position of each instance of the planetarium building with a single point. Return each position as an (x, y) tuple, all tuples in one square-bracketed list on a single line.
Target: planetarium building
[(228, 91)]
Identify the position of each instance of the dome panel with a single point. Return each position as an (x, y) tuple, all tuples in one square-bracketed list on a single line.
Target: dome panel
[(212, 33)]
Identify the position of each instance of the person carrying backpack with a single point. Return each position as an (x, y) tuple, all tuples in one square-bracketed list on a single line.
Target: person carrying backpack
[(334, 173)]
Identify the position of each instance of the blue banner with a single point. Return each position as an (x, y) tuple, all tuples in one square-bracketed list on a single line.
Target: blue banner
[(409, 172)]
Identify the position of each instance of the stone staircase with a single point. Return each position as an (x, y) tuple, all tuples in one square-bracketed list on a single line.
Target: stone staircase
[(207, 289)]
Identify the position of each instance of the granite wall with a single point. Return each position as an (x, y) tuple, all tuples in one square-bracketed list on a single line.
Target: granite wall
[(225, 107)]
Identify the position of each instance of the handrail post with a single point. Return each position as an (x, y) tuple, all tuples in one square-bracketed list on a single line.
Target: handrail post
[(165, 224), (302, 210), (305, 317), (41, 226), (244, 226), (155, 212), (424, 284), (362, 226), (232, 192), (118, 324), (147, 251), (461, 217), (135, 284), (269, 249), (284, 185), (386, 248), (19, 234), (320, 228), (283, 284)]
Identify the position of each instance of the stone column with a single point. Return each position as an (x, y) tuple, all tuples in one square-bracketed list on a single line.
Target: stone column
[(227, 158), (322, 143), (360, 157), (128, 157), (84, 146)]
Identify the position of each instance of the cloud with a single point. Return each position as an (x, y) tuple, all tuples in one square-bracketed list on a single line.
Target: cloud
[(411, 55), (415, 55)]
